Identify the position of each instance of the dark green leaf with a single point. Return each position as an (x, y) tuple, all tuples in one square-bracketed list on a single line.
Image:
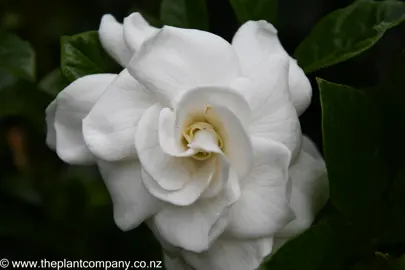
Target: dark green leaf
[(255, 10), (185, 13), (53, 83), (82, 55), (352, 147), (7, 79), (327, 245), (347, 32), (17, 56), (23, 99), (391, 97), (399, 264)]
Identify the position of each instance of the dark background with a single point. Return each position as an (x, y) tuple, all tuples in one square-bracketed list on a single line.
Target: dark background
[(52, 210)]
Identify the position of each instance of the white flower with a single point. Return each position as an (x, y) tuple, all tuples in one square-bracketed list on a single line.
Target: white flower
[(199, 138)]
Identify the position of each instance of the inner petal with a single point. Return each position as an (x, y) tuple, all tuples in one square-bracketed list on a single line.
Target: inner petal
[(203, 138)]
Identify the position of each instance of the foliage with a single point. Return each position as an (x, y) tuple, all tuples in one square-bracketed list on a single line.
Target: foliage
[(363, 129)]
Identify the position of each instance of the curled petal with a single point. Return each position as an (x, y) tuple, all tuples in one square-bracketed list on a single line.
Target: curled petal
[(198, 101), (177, 180), (65, 115), (263, 208), (136, 31), (110, 127), (133, 204), (228, 112), (196, 226), (111, 34), (257, 42), (175, 60), (310, 191), (231, 254), (273, 115)]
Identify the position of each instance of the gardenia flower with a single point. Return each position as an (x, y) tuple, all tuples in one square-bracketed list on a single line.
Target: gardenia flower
[(199, 138)]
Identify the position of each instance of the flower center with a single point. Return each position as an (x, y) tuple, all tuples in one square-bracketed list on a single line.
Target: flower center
[(192, 132)]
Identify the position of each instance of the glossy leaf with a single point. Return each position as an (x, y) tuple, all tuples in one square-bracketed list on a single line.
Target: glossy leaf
[(353, 152), (185, 13), (53, 83), (17, 57), (255, 10), (347, 32), (83, 55)]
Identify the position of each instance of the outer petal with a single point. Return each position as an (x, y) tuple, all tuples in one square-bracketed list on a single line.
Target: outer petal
[(195, 227), (263, 208), (257, 42), (310, 191), (132, 202), (165, 174), (231, 254), (111, 35), (273, 115), (109, 129), (70, 107), (176, 59), (136, 31)]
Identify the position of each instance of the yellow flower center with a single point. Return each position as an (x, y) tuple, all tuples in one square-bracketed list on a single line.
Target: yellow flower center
[(190, 133)]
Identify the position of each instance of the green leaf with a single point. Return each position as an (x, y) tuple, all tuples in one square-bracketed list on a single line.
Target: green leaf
[(391, 97), (23, 99), (17, 57), (185, 13), (327, 245), (53, 83), (82, 55), (353, 152), (255, 10), (7, 79), (347, 32)]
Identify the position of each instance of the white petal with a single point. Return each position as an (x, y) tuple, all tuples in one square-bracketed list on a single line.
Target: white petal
[(257, 42), (196, 226), (273, 115), (310, 191), (169, 141), (176, 59), (176, 180), (111, 34), (207, 141), (72, 105), (300, 87), (132, 202), (231, 254), (198, 100), (228, 112), (263, 208), (136, 31), (167, 248), (237, 145), (110, 128)]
